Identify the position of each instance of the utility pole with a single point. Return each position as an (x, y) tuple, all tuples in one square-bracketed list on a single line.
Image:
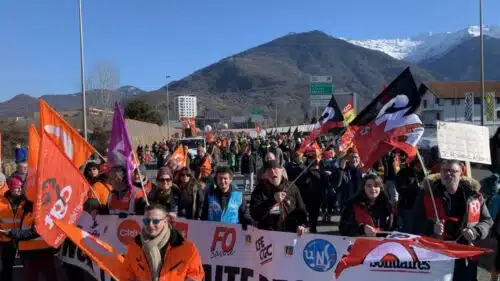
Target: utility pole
[(276, 115), (82, 72), (168, 109), (481, 40)]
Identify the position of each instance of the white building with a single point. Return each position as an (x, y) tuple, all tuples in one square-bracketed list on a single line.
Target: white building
[(445, 101), (186, 106)]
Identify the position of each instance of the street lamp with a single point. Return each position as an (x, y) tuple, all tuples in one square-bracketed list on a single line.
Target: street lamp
[(82, 72), (481, 40), (168, 108)]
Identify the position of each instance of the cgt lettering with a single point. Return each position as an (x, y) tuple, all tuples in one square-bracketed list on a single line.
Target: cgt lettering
[(233, 273), (60, 207), (226, 237)]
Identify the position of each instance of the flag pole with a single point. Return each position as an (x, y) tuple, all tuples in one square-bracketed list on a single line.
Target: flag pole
[(428, 184), (82, 72), (140, 177)]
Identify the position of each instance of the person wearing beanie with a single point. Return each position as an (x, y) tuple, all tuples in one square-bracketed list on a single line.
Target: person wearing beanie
[(12, 205), (165, 191), (92, 173), (276, 204)]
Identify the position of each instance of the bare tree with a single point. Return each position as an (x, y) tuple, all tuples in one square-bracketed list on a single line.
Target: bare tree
[(102, 82)]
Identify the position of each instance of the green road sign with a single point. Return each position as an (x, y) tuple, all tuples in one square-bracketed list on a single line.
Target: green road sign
[(255, 111), (320, 88)]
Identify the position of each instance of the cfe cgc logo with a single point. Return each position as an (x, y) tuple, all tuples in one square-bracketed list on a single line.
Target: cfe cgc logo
[(320, 255), (223, 242), (265, 250), (127, 231)]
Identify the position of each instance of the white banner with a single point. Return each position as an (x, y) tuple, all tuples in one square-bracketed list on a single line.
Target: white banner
[(464, 142), (232, 254), (227, 251)]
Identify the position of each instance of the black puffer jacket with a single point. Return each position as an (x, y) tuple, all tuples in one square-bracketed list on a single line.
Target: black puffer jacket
[(290, 214)]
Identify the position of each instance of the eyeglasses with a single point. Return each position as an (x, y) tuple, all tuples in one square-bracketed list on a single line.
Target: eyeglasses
[(185, 175), (148, 221), (165, 180)]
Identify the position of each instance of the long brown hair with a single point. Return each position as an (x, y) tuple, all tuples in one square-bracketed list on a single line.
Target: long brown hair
[(192, 180), (361, 195)]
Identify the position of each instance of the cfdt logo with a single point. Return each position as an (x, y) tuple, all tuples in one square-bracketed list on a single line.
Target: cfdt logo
[(223, 242), (320, 255), (265, 250), (127, 231), (395, 257)]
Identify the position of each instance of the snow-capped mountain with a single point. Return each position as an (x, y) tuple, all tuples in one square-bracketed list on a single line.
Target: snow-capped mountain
[(425, 46)]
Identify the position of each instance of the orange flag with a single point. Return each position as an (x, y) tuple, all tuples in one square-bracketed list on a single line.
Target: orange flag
[(98, 251), (66, 137), (180, 155), (33, 148), (61, 191)]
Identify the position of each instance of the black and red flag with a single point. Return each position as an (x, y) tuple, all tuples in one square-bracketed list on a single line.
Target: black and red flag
[(330, 119), (389, 121)]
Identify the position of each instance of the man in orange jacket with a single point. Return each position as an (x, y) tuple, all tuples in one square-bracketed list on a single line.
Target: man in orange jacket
[(160, 253)]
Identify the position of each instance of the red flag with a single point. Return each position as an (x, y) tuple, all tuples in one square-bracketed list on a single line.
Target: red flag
[(61, 191), (389, 121), (396, 254), (332, 118)]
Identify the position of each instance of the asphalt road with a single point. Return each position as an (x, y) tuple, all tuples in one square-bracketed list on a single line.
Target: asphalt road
[(328, 228)]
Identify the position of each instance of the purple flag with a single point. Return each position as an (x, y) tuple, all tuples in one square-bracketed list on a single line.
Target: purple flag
[(120, 152)]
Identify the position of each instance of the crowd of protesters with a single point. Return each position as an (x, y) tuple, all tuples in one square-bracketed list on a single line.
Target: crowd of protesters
[(289, 191)]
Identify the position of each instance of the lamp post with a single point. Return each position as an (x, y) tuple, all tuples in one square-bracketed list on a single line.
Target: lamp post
[(168, 108), (481, 40), (82, 72)]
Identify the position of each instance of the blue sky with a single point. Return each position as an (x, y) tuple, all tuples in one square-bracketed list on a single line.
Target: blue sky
[(39, 40)]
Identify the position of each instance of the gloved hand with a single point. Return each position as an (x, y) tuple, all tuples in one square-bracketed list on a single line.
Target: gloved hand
[(122, 215)]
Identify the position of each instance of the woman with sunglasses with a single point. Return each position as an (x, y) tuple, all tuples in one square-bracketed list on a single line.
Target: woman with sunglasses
[(165, 191), (191, 196), (160, 253)]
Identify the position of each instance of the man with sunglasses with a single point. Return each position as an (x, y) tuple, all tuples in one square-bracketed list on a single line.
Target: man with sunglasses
[(160, 252), (223, 203)]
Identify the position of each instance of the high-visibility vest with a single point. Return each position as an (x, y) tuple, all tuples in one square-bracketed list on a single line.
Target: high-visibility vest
[(125, 205), (33, 244), (9, 220)]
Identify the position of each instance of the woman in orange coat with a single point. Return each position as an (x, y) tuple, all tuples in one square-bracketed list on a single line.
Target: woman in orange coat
[(160, 253)]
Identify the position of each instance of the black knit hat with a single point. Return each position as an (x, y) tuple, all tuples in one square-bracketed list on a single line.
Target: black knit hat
[(271, 164)]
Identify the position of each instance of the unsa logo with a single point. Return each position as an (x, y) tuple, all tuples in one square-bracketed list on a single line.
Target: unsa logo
[(320, 255), (127, 231)]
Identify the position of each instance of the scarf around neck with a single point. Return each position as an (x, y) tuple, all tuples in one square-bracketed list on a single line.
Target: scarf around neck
[(152, 247)]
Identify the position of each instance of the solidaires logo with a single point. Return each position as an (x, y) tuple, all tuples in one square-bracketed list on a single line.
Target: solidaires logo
[(395, 257)]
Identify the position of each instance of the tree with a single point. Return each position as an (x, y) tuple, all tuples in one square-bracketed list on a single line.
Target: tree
[(102, 81), (140, 110)]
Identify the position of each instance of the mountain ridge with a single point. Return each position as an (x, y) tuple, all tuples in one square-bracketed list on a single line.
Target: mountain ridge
[(425, 46)]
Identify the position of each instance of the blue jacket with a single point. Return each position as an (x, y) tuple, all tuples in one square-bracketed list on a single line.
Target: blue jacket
[(227, 208), (20, 155)]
